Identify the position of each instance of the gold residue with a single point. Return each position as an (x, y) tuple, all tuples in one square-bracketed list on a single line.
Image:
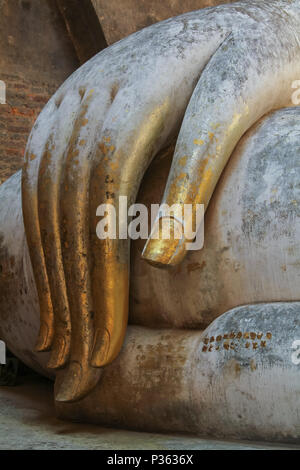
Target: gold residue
[(198, 141), (81, 92), (103, 148), (182, 161), (114, 166)]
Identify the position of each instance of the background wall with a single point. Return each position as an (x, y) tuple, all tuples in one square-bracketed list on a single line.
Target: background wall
[(36, 56), (119, 18)]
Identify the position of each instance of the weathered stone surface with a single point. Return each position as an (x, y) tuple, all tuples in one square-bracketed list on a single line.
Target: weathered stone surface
[(28, 421)]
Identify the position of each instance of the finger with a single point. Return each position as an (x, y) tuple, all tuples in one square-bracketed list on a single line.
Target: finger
[(49, 179), (143, 118), (129, 142), (80, 377), (39, 144), (236, 88)]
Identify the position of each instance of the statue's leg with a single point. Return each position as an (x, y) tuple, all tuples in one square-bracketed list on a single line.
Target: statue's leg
[(238, 379)]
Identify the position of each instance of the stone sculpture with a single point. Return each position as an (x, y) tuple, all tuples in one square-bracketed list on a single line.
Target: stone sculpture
[(212, 342)]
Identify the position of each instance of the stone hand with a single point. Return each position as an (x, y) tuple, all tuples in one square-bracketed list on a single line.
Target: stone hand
[(219, 70)]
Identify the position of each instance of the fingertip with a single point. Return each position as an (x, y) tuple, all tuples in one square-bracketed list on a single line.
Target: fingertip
[(163, 248), (68, 388), (76, 383), (45, 338), (101, 348), (60, 353)]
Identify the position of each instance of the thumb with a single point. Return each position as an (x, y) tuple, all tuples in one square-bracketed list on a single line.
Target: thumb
[(233, 92)]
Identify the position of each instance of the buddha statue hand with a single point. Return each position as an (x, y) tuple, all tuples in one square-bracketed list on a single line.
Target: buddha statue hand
[(216, 71)]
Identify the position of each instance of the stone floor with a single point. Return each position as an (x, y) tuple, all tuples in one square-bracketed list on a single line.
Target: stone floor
[(27, 421)]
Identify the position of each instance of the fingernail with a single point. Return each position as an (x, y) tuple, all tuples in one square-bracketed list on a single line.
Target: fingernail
[(59, 354), (76, 382), (166, 245), (69, 389), (44, 340), (101, 348)]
